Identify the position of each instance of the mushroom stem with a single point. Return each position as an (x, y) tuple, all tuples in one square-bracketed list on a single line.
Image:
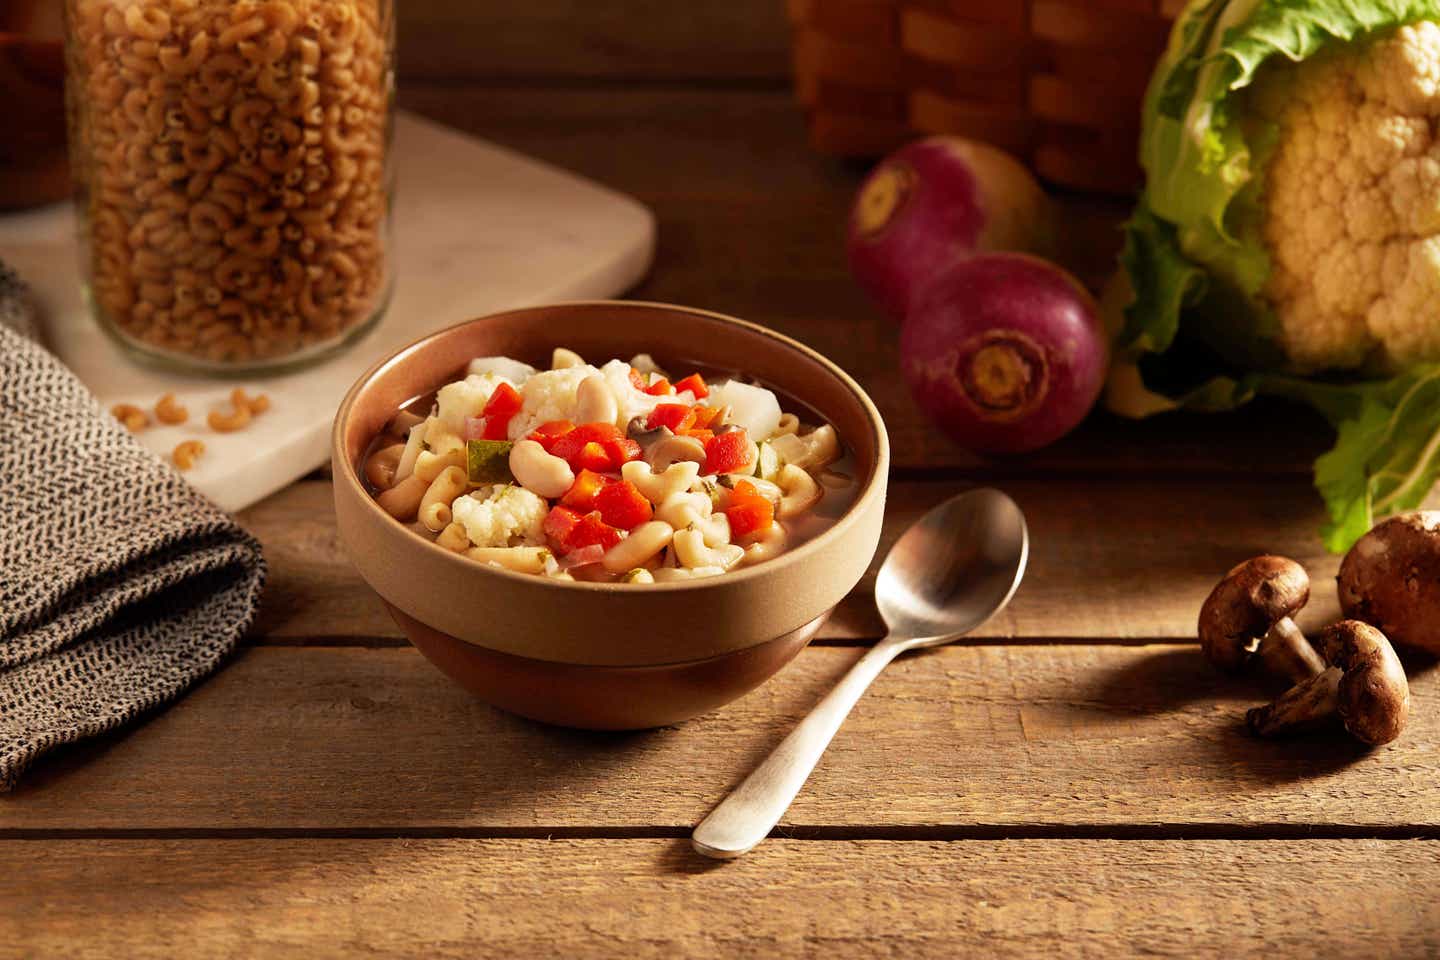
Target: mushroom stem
[(1285, 652), (1364, 687), (1309, 704)]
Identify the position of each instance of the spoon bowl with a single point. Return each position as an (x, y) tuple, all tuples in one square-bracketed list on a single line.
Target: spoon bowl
[(955, 567)]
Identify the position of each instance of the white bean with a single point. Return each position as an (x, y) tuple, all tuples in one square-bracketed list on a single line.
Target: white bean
[(539, 472), (800, 490), (643, 543), (595, 401)]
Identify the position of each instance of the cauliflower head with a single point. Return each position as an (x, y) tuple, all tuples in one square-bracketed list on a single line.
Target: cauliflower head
[(502, 515), (1351, 202)]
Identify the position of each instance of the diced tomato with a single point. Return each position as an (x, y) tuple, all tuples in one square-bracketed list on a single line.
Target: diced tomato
[(749, 513), (728, 452), (569, 530), (503, 404), (581, 495), (702, 435), (637, 380), (622, 450), (570, 445), (582, 557), (677, 416), (695, 384), (660, 388), (549, 432), (622, 505)]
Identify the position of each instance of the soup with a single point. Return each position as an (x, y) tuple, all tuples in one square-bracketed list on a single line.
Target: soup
[(615, 473)]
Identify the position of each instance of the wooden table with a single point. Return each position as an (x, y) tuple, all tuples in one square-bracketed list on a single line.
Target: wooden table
[(1073, 779)]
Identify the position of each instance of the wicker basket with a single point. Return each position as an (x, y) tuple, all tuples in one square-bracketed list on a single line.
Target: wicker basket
[(1057, 82)]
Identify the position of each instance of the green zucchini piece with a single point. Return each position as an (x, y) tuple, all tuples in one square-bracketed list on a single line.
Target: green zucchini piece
[(488, 461)]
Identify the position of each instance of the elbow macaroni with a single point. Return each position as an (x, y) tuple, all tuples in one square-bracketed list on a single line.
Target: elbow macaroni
[(195, 120)]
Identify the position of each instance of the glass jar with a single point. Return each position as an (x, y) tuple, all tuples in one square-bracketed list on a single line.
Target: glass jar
[(231, 160)]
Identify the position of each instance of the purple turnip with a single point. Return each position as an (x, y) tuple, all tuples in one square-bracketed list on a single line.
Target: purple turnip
[(936, 201), (1004, 352)]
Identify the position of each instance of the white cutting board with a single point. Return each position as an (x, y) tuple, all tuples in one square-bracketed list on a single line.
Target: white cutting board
[(477, 229)]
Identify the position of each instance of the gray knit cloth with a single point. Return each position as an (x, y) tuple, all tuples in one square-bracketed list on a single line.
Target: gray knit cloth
[(120, 586)]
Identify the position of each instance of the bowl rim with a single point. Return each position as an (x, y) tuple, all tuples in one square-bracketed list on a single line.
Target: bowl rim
[(874, 487)]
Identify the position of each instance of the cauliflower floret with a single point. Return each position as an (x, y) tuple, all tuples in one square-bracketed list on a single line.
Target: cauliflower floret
[(502, 515), (548, 396), (1352, 202), (466, 398)]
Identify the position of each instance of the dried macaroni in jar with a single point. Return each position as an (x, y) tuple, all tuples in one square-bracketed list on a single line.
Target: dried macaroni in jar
[(231, 162)]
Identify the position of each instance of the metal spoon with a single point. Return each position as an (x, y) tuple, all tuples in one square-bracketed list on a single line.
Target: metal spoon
[(950, 572)]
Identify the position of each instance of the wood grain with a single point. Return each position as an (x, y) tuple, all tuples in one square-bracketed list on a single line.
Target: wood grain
[(654, 898), (540, 41), (1113, 558), (967, 741), (751, 224)]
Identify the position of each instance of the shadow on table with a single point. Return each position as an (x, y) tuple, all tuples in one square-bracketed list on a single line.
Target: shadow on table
[(1179, 684)]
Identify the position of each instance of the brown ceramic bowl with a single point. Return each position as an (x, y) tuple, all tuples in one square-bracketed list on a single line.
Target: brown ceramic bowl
[(597, 655)]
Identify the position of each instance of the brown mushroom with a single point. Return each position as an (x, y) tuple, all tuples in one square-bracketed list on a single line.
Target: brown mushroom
[(1391, 580), (1248, 614), (1364, 686)]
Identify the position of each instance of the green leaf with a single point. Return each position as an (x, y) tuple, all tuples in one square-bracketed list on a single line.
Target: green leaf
[(1386, 456)]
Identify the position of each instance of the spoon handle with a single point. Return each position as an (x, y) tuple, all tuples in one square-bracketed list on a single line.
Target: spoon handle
[(746, 817)]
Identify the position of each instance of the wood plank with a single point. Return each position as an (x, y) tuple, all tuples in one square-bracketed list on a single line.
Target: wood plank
[(570, 40), (654, 898), (1113, 558), (967, 741), (751, 224)]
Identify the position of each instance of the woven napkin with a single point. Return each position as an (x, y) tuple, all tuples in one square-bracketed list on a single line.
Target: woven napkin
[(120, 586)]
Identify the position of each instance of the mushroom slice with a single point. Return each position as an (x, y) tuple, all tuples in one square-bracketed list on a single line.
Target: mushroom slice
[(1248, 615), (1364, 686), (673, 449)]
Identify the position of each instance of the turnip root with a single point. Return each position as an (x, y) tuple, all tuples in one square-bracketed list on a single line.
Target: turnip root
[(1004, 352), (937, 201)]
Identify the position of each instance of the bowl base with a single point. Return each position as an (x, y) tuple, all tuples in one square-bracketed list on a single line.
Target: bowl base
[(601, 697)]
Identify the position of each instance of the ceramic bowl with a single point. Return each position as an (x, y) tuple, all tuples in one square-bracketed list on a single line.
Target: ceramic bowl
[(596, 655)]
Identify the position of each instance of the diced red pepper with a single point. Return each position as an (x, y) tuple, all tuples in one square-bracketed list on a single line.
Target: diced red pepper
[(660, 388), (677, 416), (569, 446), (593, 456), (569, 530), (622, 450), (549, 432), (695, 384), (637, 380), (702, 435), (622, 505), (749, 513), (728, 452), (705, 417), (503, 404), (581, 495)]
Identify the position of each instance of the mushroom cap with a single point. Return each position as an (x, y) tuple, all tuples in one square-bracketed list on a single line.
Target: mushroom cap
[(1242, 608), (1374, 696), (1391, 579)]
